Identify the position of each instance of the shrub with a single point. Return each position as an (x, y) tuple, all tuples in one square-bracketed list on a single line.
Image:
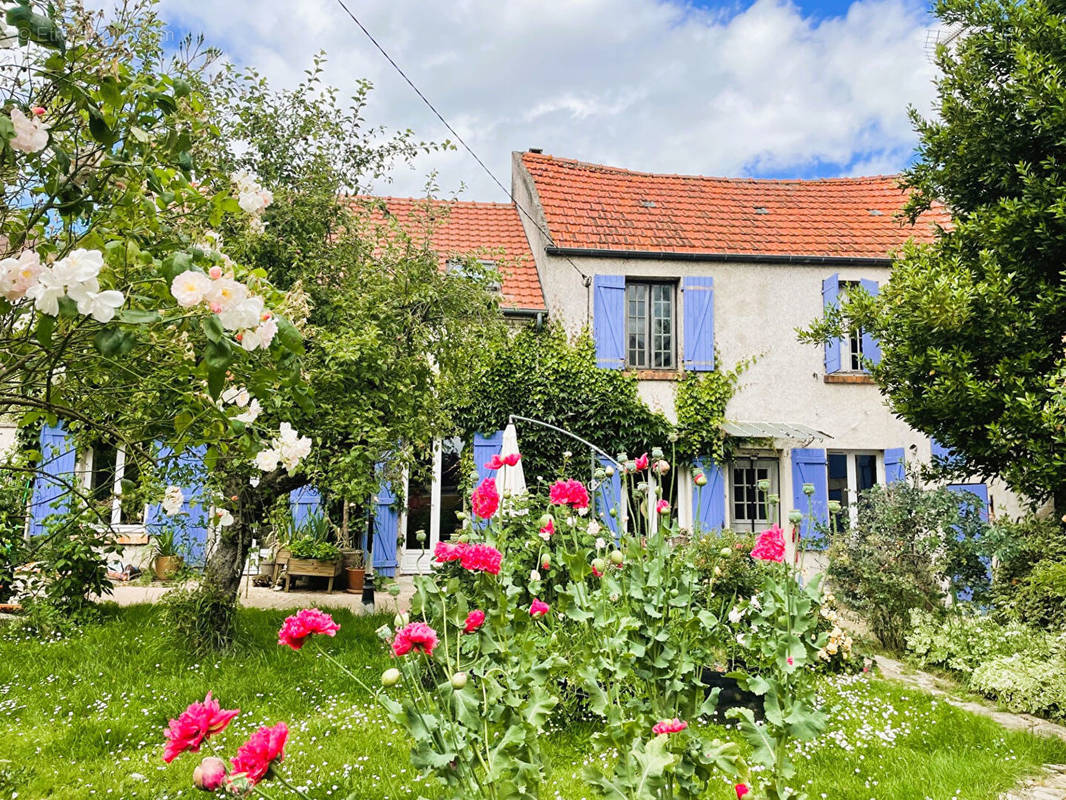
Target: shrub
[(738, 575), (198, 620), (912, 548), (1041, 596), (962, 641), (71, 562), (1024, 683), (12, 528)]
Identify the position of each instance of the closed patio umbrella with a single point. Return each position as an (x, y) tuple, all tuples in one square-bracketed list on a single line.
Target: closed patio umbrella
[(511, 481)]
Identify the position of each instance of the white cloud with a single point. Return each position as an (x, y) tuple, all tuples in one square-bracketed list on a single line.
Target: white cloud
[(644, 84)]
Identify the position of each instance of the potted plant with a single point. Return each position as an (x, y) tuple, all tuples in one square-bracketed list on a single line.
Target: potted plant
[(312, 553), (167, 559), (355, 570)]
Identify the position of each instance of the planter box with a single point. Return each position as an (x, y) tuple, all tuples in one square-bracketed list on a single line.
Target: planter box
[(313, 568)]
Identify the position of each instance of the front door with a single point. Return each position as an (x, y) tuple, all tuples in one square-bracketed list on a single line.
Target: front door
[(432, 503)]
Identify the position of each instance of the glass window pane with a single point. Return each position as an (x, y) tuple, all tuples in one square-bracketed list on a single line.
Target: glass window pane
[(866, 471), (637, 325)]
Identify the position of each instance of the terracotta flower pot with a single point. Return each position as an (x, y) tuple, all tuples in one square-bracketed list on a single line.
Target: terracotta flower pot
[(355, 579), (166, 567)]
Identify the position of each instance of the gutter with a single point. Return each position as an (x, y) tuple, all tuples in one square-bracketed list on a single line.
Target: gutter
[(537, 314), (745, 258)]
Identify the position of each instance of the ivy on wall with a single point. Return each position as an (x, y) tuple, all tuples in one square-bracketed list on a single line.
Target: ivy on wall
[(701, 401), (544, 375)]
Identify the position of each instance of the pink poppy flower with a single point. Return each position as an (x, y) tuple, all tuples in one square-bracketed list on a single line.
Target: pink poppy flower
[(789, 660), (641, 463), (480, 558), (446, 551), (485, 498), (196, 723), (512, 459), (538, 608), (569, 493), (474, 620), (741, 790), (662, 507), (494, 463), (255, 757), (548, 530), (770, 546), (209, 774), (667, 726), (295, 630), (416, 636)]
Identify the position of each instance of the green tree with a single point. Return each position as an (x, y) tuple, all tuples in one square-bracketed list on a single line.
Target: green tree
[(387, 328), (971, 326)]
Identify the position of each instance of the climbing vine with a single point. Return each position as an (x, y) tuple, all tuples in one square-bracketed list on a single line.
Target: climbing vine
[(701, 401), (544, 375)]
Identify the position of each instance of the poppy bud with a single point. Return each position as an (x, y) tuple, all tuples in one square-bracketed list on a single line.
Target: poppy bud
[(546, 563), (617, 557), (209, 774), (599, 565), (808, 489), (725, 551), (794, 517), (458, 680), (700, 479), (390, 677)]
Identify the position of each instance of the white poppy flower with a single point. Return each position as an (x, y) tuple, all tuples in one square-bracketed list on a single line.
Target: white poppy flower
[(225, 518), (190, 287), (31, 135)]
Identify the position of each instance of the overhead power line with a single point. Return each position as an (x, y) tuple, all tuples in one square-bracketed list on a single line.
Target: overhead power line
[(458, 138)]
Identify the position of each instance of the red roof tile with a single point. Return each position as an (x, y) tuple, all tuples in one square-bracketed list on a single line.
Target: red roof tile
[(589, 206), (491, 231)]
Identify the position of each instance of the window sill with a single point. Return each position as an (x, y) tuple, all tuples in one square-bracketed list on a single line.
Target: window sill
[(654, 374), (849, 377)]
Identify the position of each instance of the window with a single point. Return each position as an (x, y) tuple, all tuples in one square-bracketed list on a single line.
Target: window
[(650, 325), (107, 472), (852, 357), (849, 475), (750, 509)]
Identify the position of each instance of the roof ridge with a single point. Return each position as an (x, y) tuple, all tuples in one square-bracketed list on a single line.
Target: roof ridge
[(435, 200), (543, 157)]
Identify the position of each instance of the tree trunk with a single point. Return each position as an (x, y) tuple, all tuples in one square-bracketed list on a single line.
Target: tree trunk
[(1059, 499), (222, 572)]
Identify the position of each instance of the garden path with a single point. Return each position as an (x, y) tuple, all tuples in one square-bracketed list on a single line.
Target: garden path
[(1049, 786)]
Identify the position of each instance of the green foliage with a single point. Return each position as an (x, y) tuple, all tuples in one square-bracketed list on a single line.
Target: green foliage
[(165, 542), (722, 558), (1041, 597), (975, 320), (909, 544), (197, 620), (1030, 576), (1018, 666), (701, 401), (13, 491), (541, 374)]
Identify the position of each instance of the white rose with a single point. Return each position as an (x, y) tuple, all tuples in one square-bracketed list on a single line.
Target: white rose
[(225, 518), (31, 135), (47, 292), (225, 293), (173, 499), (267, 460), (190, 287), (101, 306), (17, 275), (79, 266), (251, 414)]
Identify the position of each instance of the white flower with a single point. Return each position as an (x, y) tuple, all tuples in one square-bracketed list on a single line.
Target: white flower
[(594, 527), (267, 460), (47, 292), (292, 448), (31, 135), (242, 313), (601, 544), (225, 293), (79, 266), (17, 275), (239, 396), (225, 518), (100, 305), (259, 337), (250, 416), (545, 536), (736, 614), (190, 287), (534, 576), (172, 500)]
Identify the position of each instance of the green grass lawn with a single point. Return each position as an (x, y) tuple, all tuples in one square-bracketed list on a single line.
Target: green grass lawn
[(84, 718)]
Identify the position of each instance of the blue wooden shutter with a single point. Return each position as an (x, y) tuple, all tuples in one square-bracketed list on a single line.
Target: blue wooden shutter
[(895, 465), (486, 445), (194, 509), (944, 455), (56, 474), (609, 496), (978, 489), (708, 503), (809, 465), (386, 530), (834, 347), (609, 320), (698, 343), (871, 350), (304, 502)]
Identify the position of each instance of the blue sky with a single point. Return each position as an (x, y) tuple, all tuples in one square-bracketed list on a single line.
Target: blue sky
[(762, 89)]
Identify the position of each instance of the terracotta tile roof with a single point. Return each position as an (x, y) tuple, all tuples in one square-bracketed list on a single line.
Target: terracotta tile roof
[(492, 231), (605, 208)]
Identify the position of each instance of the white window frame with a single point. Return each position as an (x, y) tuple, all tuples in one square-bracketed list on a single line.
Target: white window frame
[(115, 522), (771, 460), (650, 283), (851, 503), (850, 345)]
